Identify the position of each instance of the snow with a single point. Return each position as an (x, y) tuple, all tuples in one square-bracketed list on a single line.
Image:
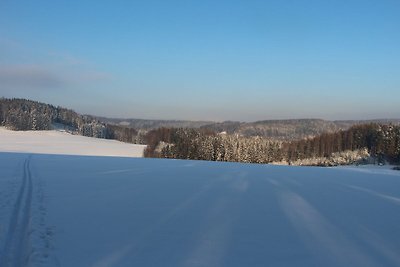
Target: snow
[(61, 142), (62, 210)]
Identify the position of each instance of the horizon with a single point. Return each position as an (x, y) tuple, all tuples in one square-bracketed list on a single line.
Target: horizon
[(236, 121), (205, 61)]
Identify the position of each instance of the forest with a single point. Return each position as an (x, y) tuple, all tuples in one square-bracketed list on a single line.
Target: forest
[(22, 115), (361, 143)]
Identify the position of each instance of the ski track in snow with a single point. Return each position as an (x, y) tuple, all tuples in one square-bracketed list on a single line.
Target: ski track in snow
[(144, 212), (392, 199), (321, 236), (16, 249)]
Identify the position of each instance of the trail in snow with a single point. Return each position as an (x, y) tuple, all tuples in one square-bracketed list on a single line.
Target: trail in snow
[(320, 235), (17, 246), (392, 199), (104, 211)]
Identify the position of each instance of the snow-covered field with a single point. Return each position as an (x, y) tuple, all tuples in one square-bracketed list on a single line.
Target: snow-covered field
[(59, 142), (70, 210), (59, 210)]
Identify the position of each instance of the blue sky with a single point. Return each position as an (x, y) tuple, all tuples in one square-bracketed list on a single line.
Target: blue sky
[(205, 60)]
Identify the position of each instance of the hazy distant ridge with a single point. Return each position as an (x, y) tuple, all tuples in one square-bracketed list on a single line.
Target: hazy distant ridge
[(22, 114), (154, 124), (289, 129), (278, 129)]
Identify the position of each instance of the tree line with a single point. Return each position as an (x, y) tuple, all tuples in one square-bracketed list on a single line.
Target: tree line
[(198, 144), (22, 115), (380, 141)]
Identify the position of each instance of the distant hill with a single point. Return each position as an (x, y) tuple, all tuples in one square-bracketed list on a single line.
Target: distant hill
[(154, 124), (276, 129), (289, 129), (22, 114)]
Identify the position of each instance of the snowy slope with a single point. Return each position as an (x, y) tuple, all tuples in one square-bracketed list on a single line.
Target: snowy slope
[(109, 211), (59, 142)]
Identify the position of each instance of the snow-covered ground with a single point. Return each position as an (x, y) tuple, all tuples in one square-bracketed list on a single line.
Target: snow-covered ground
[(60, 142), (108, 211)]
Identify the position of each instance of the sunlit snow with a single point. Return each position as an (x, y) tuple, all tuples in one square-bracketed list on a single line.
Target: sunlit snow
[(61, 142)]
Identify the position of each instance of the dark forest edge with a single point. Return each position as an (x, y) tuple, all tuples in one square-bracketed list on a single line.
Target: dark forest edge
[(359, 143), (369, 143)]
